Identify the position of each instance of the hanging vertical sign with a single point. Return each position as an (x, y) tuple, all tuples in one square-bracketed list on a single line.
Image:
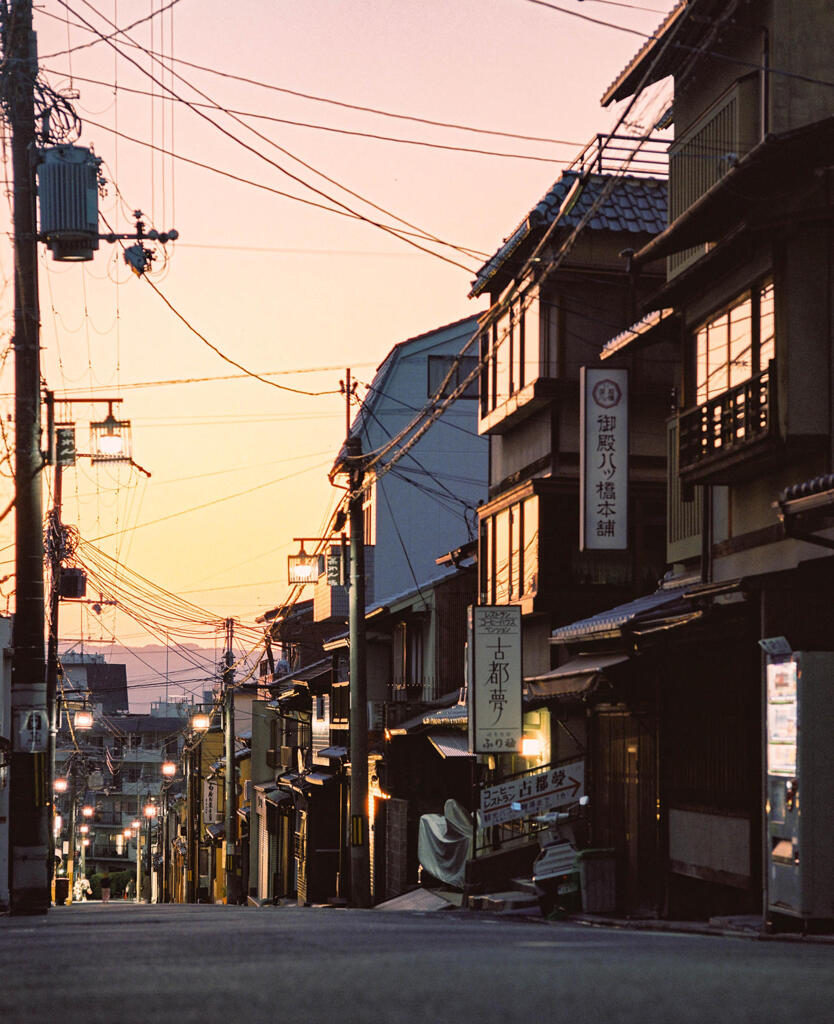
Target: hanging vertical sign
[(495, 679), (603, 459)]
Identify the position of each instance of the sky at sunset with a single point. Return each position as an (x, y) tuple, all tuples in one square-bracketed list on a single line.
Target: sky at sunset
[(287, 289)]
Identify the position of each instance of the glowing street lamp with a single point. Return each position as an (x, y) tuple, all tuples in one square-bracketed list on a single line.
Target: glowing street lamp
[(303, 568), (83, 719), (59, 785), (169, 769), (88, 811), (200, 722), (83, 829), (135, 823), (110, 439), (150, 810)]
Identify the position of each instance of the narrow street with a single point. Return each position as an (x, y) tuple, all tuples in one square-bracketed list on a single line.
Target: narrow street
[(126, 962)]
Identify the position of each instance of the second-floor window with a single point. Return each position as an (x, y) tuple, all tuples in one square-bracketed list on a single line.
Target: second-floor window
[(509, 552), (510, 353), (735, 344), (457, 369), (407, 664)]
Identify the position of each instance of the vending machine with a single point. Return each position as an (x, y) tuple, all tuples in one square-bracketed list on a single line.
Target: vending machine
[(800, 785)]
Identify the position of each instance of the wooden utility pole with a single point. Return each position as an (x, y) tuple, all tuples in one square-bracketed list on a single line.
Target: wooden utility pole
[(232, 869), (360, 882), (29, 804)]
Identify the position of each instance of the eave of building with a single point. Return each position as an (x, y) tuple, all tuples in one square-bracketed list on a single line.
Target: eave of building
[(652, 62), (776, 163)]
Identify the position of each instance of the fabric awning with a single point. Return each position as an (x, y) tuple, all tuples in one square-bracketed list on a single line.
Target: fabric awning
[(575, 679), (450, 744)]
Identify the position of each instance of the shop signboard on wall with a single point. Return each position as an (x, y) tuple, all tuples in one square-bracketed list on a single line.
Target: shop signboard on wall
[(532, 794), (495, 679), (603, 459)]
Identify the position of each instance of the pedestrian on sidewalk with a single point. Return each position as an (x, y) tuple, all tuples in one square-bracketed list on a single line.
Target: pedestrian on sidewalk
[(105, 886), (129, 889)]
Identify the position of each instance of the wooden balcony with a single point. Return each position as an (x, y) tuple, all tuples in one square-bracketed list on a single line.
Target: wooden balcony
[(726, 438)]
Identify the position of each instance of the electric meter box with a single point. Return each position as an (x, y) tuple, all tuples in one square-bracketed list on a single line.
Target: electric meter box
[(68, 201), (800, 785)]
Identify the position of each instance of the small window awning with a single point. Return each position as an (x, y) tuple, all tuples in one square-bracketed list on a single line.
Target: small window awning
[(450, 744), (571, 681), (653, 327), (320, 777), (215, 832)]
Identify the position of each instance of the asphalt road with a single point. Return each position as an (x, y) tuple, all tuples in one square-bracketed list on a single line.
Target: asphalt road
[(122, 963)]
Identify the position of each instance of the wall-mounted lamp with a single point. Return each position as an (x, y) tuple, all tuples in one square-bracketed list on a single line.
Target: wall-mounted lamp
[(200, 722), (83, 719), (531, 746)]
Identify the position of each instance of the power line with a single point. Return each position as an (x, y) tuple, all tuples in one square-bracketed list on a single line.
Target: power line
[(423, 143), (320, 99), (260, 155)]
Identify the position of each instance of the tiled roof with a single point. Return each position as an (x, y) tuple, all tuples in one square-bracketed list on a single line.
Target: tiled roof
[(635, 204)]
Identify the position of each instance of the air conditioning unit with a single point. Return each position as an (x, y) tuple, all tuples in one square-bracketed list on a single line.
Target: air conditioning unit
[(68, 200)]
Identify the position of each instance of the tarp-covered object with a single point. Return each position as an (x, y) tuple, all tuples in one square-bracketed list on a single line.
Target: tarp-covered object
[(444, 842)]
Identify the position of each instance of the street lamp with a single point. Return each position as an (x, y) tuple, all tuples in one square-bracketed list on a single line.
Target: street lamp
[(150, 812), (110, 439), (200, 722), (88, 811), (60, 785), (83, 719), (169, 769)]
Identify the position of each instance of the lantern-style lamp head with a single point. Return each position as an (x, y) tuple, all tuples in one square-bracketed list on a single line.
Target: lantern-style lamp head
[(110, 439), (303, 568), (149, 810), (88, 811), (59, 785), (200, 722), (169, 769), (83, 829), (83, 719)]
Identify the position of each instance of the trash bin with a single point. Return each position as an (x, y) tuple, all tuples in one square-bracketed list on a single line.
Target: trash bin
[(598, 881), (61, 890)]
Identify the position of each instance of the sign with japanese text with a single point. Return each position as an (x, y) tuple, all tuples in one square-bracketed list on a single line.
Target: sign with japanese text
[(495, 683), (603, 444), (532, 794)]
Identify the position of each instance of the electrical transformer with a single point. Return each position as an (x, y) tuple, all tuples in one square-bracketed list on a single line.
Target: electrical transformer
[(68, 201), (800, 785)]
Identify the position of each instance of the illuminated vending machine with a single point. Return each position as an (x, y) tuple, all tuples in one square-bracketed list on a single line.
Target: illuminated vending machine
[(800, 785)]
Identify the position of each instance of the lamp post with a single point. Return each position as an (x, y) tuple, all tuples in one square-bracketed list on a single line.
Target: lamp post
[(169, 771), (199, 724), (150, 811), (61, 453)]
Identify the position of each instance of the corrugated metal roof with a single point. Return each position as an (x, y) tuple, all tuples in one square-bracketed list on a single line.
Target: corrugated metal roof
[(613, 619), (450, 744), (635, 204), (575, 678)]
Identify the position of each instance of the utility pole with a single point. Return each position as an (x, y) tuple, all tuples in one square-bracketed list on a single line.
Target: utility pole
[(360, 889), (30, 852), (232, 870), (190, 890)]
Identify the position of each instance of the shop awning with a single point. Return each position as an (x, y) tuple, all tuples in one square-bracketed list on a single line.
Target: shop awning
[(450, 744), (320, 778), (574, 679), (215, 832)]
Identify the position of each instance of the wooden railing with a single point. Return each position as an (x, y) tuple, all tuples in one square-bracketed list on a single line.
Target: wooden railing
[(729, 422)]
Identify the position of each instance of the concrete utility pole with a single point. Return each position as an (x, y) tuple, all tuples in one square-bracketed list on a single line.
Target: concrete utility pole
[(232, 870), (190, 867), (30, 803), (360, 862)]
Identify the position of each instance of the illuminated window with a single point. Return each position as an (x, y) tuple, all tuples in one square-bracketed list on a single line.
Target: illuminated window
[(735, 344), (509, 552)]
